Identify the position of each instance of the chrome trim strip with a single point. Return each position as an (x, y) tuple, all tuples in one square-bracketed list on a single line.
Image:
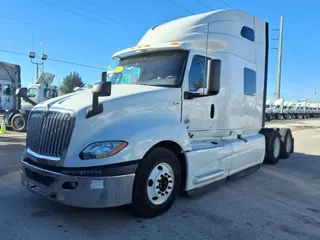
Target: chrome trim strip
[(54, 109), (81, 177), (208, 176), (42, 156)]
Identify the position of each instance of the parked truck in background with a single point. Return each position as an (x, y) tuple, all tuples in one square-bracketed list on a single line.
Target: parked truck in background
[(268, 110), (277, 110), (190, 113), (9, 81), (42, 90)]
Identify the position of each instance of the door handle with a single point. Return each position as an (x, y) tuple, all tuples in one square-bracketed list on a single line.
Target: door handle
[(212, 111)]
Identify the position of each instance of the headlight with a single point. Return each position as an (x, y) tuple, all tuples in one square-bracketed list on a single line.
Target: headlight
[(102, 149)]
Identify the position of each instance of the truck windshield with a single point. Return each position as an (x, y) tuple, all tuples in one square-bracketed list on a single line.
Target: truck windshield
[(163, 68), (32, 92)]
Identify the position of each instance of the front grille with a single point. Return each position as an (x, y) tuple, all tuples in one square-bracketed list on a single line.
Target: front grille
[(49, 133), (40, 178)]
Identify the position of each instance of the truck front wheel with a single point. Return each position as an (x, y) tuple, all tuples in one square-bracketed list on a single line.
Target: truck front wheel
[(19, 123), (157, 183)]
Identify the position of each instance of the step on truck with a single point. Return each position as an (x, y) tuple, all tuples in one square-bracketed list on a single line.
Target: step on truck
[(184, 110)]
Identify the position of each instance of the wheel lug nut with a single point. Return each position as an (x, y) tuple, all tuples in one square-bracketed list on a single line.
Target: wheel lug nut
[(167, 192), (170, 181), (162, 194), (166, 174), (157, 187), (169, 187), (159, 192)]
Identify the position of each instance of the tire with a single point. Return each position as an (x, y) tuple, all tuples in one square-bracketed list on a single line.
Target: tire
[(286, 143), (148, 182), (280, 117), (273, 145), (19, 123)]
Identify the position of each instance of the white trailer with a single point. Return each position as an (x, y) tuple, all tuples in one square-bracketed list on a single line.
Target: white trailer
[(189, 114)]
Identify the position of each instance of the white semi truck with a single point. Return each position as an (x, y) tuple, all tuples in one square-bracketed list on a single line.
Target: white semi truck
[(268, 110), (277, 110), (189, 113), (292, 110), (34, 93)]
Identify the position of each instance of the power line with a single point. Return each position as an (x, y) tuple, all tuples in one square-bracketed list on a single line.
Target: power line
[(225, 3), (54, 60), (14, 19), (178, 5), (205, 5), (117, 13), (12, 52), (107, 18), (76, 13)]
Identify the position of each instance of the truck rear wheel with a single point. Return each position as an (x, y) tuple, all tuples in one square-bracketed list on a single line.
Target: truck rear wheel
[(280, 117), (273, 145), (157, 183), (286, 143), (19, 123)]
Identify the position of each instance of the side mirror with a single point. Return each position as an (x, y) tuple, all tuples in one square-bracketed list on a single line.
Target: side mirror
[(213, 76), (22, 92), (101, 89)]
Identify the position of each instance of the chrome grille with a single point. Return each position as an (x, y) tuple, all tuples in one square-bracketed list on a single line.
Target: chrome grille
[(49, 133)]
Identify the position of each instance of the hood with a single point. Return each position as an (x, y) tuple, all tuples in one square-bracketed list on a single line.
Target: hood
[(81, 100)]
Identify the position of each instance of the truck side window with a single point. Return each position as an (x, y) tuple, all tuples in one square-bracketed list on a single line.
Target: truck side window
[(197, 73), (247, 33), (47, 92), (32, 92), (249, 85), (7, 89)]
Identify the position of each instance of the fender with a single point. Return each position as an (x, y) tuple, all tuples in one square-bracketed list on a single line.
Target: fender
[(142, 131)]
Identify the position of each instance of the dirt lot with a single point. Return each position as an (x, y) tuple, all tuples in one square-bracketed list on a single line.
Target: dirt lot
[(276, 202)]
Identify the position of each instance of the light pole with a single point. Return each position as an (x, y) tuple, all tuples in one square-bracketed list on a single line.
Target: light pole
[(44, 57)]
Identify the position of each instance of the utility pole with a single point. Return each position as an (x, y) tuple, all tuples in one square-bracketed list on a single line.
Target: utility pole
[(279, 58), (32, 55), (41, 43), (315, 92)]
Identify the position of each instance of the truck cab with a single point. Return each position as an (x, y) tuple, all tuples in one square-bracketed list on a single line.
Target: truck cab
[(268, 109), (184, 109), (39, 93), (278, 109), (33, 94)]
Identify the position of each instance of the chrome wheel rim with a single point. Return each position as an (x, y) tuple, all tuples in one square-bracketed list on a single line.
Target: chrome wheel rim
[(160, 183), (276, 147), (288, 144)]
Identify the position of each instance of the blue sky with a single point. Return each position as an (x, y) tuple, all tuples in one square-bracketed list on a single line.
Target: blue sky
[(90, 31)]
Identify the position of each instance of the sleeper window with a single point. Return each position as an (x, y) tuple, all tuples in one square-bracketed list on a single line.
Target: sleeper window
[(250, 82)]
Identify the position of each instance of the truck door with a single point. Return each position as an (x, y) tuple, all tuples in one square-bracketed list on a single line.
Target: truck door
[(7, 96), (197, 113)]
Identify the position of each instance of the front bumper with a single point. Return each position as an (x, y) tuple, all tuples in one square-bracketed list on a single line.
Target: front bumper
[(90, 192)]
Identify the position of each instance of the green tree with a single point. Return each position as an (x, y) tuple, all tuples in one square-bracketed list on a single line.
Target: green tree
[(70, 82)]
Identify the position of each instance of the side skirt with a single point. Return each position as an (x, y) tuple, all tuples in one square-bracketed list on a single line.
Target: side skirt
[(212, 186)]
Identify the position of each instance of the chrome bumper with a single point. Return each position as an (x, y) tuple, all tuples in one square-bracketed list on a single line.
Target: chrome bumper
[(87, 192)]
